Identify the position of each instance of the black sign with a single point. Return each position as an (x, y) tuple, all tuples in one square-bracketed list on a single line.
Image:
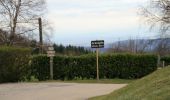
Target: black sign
[(97, 44)]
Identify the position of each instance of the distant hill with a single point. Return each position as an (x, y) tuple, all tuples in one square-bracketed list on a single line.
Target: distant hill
[(140, 45)]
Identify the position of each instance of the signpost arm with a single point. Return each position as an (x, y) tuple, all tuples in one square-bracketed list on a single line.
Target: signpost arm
[(97, 58)]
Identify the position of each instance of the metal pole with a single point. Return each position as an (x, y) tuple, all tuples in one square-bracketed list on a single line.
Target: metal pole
[(51, 68), (40, 35), (97, 61)]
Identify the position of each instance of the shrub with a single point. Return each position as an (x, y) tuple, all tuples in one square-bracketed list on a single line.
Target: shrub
[(126, 66), (13, 63)]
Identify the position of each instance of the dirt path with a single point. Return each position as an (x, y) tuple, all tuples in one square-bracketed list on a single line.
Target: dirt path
[(54, 91)]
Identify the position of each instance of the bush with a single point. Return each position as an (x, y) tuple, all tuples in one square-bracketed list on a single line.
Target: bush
[(13, 63), (126, 66)]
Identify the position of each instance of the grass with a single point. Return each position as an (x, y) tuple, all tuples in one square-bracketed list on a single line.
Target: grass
[(155, 86), (101, 81)]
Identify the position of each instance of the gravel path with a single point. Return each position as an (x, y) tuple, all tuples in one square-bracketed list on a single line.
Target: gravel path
[(54, 91)]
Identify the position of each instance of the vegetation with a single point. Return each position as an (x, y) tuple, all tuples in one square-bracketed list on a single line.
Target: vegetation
[(70, 50), (101, 81), (157, 15), (152, 87), (125, 66), (19, 17), (166, 59), (159, 46), (13, 63)]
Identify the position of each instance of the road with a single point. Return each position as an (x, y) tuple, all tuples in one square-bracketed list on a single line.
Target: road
[(55, 91)]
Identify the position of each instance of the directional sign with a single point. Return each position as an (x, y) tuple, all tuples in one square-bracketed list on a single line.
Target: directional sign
[(97, 44), (50, 55), (51, 48), (50, 52)]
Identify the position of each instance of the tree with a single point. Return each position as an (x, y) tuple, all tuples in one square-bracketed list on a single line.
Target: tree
[(157, 14), (70, 50), (19, 16)]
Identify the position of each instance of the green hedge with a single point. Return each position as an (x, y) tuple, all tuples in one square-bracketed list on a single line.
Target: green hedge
[(13, 63), (126, 66)]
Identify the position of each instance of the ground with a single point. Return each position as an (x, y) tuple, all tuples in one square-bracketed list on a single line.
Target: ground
[(55, 91)]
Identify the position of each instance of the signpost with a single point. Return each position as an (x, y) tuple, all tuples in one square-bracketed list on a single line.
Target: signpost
[(51, 54), (97, 44)]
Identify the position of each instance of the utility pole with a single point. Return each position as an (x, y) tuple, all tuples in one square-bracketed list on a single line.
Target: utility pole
[(40, 36)]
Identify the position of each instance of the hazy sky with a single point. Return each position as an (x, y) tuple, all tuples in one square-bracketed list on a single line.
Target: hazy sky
[(77, 22)]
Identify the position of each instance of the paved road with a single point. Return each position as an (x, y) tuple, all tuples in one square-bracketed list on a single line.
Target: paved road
[(54, 91)]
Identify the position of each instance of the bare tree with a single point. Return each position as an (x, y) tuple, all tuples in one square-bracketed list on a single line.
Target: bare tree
[(157, 14), (163, 47), (20, 16), (144, 45)]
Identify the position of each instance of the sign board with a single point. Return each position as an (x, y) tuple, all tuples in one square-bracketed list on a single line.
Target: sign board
[(97, 44), (50, 48), (50, 52), (50, 55)]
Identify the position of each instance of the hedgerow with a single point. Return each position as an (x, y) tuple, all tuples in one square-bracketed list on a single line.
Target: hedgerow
[(13, 63), (125, 66)]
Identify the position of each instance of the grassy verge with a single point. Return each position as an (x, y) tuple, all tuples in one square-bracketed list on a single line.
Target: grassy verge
[(105, 81), (101, 81), (155, 86)]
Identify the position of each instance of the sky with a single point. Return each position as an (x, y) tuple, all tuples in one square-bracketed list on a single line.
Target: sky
[(78, 22)]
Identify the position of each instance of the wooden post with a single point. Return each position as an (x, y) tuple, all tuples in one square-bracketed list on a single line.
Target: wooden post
[(40, 35), (163, 64), (97, 62), (51, 68)]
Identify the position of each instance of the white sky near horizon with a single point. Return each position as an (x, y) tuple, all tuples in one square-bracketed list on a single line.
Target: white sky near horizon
[(77, 22)]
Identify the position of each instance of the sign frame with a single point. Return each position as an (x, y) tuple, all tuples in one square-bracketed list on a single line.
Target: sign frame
[(97, 44)]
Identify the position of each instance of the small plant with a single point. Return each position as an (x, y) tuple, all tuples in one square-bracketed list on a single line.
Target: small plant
[(77, 78), (33, 79)]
